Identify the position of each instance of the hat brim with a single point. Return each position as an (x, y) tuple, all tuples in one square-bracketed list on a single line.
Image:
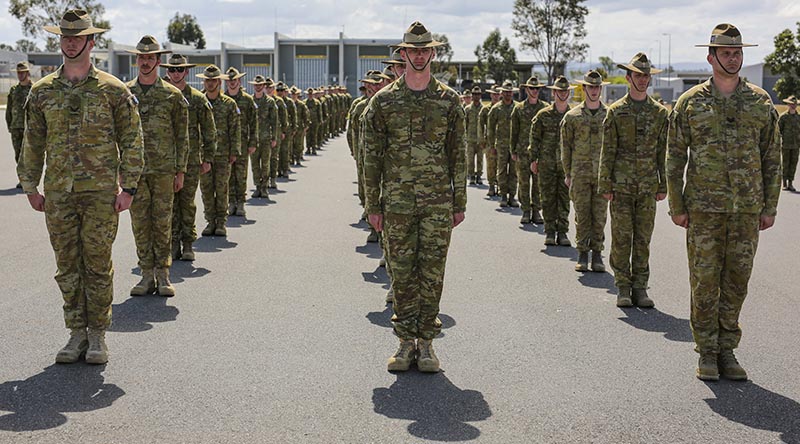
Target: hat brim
[(205, 77), (722, 45), (790, 102), (57, 30), (238, 76), (393, 62), (639, 70), (585, 83), (431, 44), (557, 88), (20, 70), (180, 65), (528, 85), (159, 52)]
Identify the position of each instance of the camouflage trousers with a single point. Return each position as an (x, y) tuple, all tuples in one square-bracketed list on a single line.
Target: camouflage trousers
[(632, 221), (789, 163), (285, 153), (491, 167), (474, 159), (528, 185), (260, 162), (17, 134), (184, 209), (721, 248), (416, 248), (311, 139), (237, 186), (297, 145), (274, 157), (506, 171), (318, 136), (214, 189), (591, 212), (151, 218), (555, 198), (82, 229), (362, 194)]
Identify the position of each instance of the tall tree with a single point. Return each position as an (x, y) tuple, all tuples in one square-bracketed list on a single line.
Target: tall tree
[(785, 61), (26, 46), (608, 65), (496, 58), (183, 29), (444, 54), (35, 14), (553, 30)]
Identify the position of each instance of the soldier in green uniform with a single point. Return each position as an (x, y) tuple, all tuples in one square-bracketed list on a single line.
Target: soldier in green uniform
[(726, 130), (283, 122), (268, 135), (314, 118), (214, 184), (284, 157), (165, 122), (581, 142), (85, 123), (631, 177), (303, 122), (473, 136), (15, 108), (202, 146), (521, 119), (416, 192), (789, 123), (396, 64), (249, 127), (491, 155), (498, 129)]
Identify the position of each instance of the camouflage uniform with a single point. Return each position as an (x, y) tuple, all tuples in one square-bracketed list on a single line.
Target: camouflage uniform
[(790, 132), (632, 168), (288, 142), (498, 132), (415, 176), (165, 119), (283, 123), (91, 135), (545, 148), (268, 132), (732, 147), (528, 183), (15, 116), (237, 191), (491, 157), (353, 137), (214, 184), (473, 137), (314, 119), (303, 122)]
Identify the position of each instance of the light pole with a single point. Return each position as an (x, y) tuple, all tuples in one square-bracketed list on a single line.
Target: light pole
[(669, 55)]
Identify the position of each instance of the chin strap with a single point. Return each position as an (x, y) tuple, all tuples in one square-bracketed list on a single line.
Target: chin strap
[(430, 59), (85, 44), (723, 66)]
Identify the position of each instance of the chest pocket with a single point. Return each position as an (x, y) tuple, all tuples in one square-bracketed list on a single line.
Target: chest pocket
[(626, 131)]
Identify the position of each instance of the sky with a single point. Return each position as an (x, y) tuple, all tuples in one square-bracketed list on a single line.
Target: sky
[(616, 28)]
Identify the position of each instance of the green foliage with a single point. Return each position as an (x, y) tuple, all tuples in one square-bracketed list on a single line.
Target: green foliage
[(35, 14), (496, 59), (26, 46), (6, 47), (608, 65), (444, 54), (785, 61), (553, 30), (183, 29)]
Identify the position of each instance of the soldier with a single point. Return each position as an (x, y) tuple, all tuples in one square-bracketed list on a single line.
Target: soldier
[(631, 177), (416, 191), (473, 136), (15, 111), (466, 98), (581, 142), (726, 129), (165, 122), (214, 185), (303, 122), (354, 129), (396, 64), (314, 119), (202, 130), (249, 128), (498, 128), (521, 118), (289, 130), (545, 156), (283, 123), (85, 122), (789, 123), (491, 156), (268, 135)]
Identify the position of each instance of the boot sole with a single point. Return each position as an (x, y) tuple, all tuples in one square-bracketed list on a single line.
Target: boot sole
[(136, 293), (96, 360), (428, 368), (707, 377), (625, 304), (398, 367), (68, 360)]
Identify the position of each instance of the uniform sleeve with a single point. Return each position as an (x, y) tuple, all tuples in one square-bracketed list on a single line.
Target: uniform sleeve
[(274, 122), (375, 138), (130, 141), (535, 139), (515, 123), (491, 121), (608, 155), (253, 125), (661, 151), (770, 146), (10, 107), (208, 132), (481, 123), (457, 157), (31, 161), (180, 129), (235, 132), (678, 143), (567, 144)]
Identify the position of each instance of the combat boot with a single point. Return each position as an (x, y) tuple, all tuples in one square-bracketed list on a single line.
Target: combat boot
[(373, 236), (503, 200), (145, 286), (536, 217), (526, 217), (98, 351), (209, 230), (272, 183), (264, 191), (512, 202), (390, 296), (382, 262), (624, 297), (472, 179), (231, 208), (403, 357), (176, 249), (221, 230), (729, 367), (188, 253), (76, 346), (641, 298), (240, 211), (165, 287), (478, 180), (563, 240), (426, 359), (550, 239), (707, 367), (583, 261), (257, 192), (783, 184), (789, 186), (597, 262), (491, 192)]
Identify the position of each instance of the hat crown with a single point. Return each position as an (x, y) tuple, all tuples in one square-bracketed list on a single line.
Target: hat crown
[(76, 19), (417, 33), (178, 59), (212, 71), (726, 34), (561, 82), (641, 61), (259, 79), (593, 77), (148, 43), (22, 66), (508, 84), (232, 71), (476, 90)]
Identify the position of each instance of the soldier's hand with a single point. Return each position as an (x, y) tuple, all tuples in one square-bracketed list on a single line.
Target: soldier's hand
[(514, 157), (608, 196), (535, 167), (766, 222), (36, 200), (205, 167), (458, 218), (274, 143), (123, 202), (376, 220), (568, 182), (251, 150), (177, 184), (232, 159), (283, 136), (661, 196), (681, 220)]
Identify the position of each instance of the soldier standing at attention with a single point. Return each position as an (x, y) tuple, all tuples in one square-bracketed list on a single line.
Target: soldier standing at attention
[(214, 184), (314, 118), (303, 123), (491, 156), (416, 191), (498, 130), (354, 131), (249, 128), (15, 108), (283, 123), (268, 129), (789, 123), (201, 130), (85, 122), (581, 142), (288, 130), (726, 129), (631, 177), (521, 119), (165, 122), (473, 136)]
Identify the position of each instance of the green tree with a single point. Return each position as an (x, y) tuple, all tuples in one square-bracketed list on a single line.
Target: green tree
[(26, 46), (183, 29), (444, 54), (496, 59), (553, 30), (35, 14), (608, 65), (785, 61), (6, 47)]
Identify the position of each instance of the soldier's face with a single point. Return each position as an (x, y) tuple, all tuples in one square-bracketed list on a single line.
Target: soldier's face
[(74, 46), (271, 90), (592, 92), (233, 84), (792, 108), (399, 70), (495, 97), (147, 62), (211, 85), (419, 58), (23, 75), (508, 96), (561, 95), (177, 77), (638, 81), (533, 93), (260, 88), (729, 59)]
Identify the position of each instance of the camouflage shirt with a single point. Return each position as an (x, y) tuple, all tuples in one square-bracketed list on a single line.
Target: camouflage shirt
[(472, 122), (268, 126), (90, 133), (732, 146), (498, 125), (249, 119), (229, 130), (521, 119), (201, 127), (581, 142), (291, 116), (303, 120), (314, 110), (283, 116), (790, 130), (634, 145), (483, 121), (545, 138), (354, 124), (165, 122), (414, 150), (15, 107)]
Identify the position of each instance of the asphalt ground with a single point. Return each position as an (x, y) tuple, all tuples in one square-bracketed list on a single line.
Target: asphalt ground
[(279, 334)]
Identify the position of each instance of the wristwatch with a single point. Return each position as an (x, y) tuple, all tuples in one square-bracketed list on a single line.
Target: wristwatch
[(131, 191)]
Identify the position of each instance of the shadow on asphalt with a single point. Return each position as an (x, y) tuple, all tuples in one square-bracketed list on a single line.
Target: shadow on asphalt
[(260, 201), (182, 270), (598, 280), (440, 411), (384, 319), (379, 276), (11, 191), (212, 244), (674, 329), (137, 314), (556, 251), (39, 402), (239, 221), (532, 228), (371, 249), (756, 407)]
